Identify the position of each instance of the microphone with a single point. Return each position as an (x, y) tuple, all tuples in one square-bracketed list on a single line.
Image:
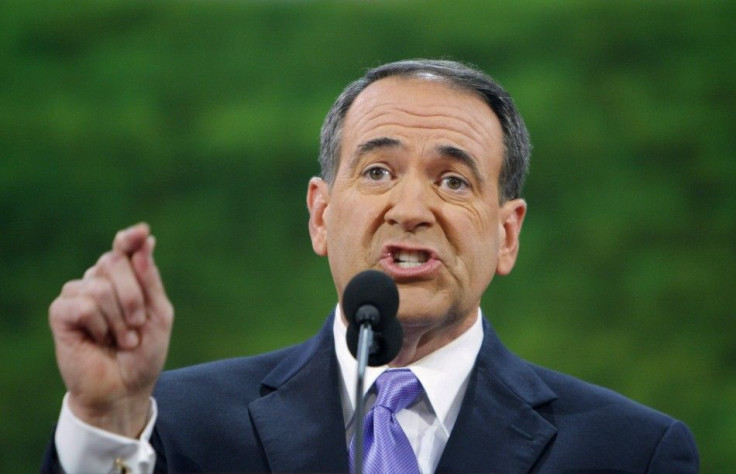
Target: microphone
[(371, 298), (374, 335)]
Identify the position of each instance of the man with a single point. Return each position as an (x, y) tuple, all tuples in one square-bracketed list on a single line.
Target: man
[(422, 168)]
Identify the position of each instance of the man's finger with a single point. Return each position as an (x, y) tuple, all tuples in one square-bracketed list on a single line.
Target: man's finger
[(130, 240), (89, 300), (71, 288), (150, 279), (102, 292), (116, 267), (79, 313), (90, 272)]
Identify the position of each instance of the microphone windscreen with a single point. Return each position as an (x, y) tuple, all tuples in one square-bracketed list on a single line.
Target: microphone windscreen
[(374, 288), (386, 344)]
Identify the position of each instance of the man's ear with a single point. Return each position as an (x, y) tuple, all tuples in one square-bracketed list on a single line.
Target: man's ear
[(318, 198), (511, 217)]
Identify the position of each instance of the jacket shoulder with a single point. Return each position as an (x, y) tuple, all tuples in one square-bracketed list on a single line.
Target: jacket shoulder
[(593, 419), (240, 377), (577, 396)]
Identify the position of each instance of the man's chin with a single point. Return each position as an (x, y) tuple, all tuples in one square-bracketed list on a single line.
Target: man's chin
[(421, 302), (420, 313)]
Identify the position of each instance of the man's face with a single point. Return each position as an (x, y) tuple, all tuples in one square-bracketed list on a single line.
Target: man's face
[(416, 196)]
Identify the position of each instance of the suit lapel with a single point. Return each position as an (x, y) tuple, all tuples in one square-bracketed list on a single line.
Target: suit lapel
[(498, 428), (299, 419)]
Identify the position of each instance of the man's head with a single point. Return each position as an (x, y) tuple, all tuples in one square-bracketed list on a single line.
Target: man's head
[(415, 192), (516, 137)]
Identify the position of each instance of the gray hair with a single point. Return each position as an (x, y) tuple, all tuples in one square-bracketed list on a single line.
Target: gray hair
[(465, 77)]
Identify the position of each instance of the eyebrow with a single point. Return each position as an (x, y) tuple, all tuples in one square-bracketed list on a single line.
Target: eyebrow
[(447, 151), (381, 142), (371, 145), (463, 157)]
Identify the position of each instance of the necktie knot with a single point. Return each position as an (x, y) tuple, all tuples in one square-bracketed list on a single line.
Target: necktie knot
[(396, 389)]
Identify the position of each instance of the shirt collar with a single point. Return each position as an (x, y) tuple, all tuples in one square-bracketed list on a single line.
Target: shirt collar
[(443, 373)]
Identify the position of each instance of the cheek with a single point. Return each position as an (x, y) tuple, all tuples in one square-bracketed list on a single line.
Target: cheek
[(347, 221), (476, 239), (477, 226), (362, 213)]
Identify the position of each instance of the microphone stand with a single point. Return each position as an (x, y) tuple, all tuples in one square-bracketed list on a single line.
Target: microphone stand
[(365, 341)]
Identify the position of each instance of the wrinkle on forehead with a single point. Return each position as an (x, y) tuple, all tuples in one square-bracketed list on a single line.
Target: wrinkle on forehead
[(376, 120), (459, 117)]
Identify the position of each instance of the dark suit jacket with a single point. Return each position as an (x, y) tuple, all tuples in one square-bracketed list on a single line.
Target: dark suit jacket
[(282, 412)]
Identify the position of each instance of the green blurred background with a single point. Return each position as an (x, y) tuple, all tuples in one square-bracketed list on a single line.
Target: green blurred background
[(202, 119)]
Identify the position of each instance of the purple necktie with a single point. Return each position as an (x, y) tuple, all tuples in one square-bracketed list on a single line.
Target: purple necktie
[(386, 447)]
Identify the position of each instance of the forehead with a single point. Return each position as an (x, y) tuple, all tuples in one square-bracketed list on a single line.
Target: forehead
[(424, 112)]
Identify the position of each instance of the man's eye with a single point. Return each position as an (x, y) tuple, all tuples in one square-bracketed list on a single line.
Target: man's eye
[(454, 183), (376, 174)]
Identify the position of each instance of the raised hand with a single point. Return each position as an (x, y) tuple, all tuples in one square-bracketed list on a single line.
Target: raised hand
[(111, 331)]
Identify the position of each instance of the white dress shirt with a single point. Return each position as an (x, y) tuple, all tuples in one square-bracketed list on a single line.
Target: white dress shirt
[(83, 448)]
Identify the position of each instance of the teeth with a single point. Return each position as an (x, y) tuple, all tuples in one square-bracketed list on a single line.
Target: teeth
[(410, 258)]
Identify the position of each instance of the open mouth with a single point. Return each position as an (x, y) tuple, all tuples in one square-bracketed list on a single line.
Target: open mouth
[(409, 258)]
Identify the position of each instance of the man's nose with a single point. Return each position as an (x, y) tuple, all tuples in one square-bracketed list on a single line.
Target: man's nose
[(410, 204)]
